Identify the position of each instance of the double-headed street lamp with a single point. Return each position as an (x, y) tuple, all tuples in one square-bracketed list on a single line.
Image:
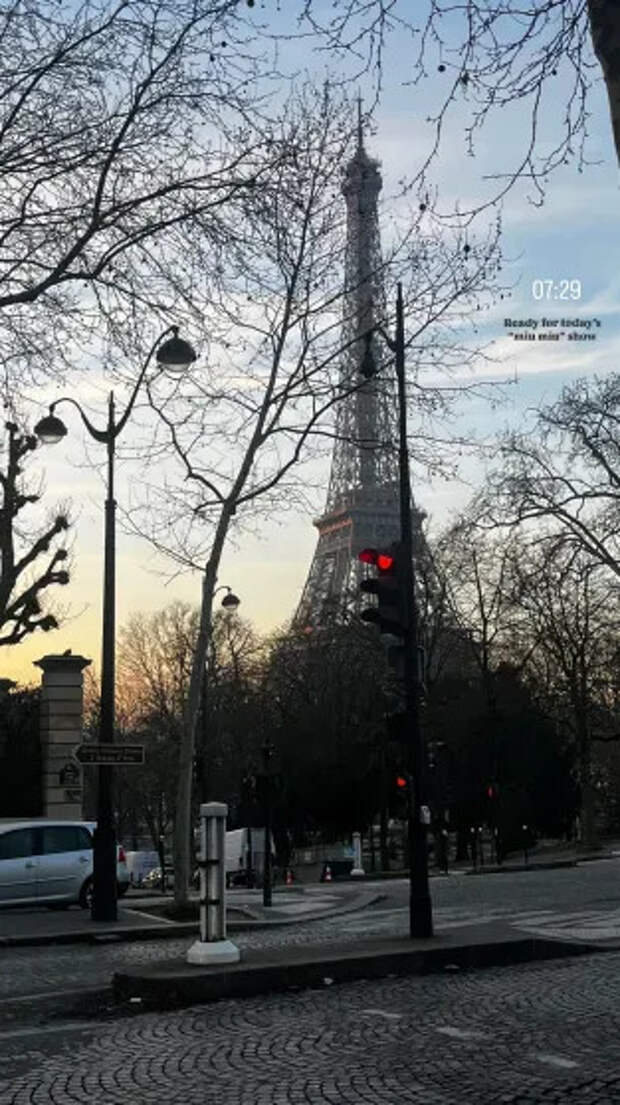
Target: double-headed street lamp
[(176, 355), (420, 909)]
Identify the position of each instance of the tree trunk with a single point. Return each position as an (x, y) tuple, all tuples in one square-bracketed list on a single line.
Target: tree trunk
[(183, 843), (589, 836), (383, 838), (605, 31)]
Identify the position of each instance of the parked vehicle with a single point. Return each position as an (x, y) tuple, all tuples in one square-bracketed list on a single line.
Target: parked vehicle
[(152, 880), (245, 856), (122, 872), (139, 864), (44, 861)]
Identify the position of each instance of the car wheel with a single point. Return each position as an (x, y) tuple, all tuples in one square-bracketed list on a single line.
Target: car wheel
[(86, 894)]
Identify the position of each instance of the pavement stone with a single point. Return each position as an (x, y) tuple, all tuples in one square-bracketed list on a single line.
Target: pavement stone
[(173, 983), (534, 1034), (576, 903)]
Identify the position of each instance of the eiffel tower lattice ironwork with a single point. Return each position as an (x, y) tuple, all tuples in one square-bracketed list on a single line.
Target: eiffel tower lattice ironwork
[(362, 507)]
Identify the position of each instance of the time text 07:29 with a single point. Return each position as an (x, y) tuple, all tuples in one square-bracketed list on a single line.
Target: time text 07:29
[(556, 289)]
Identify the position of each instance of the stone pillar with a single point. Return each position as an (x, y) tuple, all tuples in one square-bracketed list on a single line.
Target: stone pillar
[(61, 732)]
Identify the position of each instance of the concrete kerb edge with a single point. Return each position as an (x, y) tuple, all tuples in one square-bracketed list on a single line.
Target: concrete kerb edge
[(82, 1002), (511, 868), (541, 865), (170, 992)]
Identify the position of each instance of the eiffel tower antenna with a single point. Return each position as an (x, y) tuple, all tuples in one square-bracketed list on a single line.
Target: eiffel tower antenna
[(362, 506)]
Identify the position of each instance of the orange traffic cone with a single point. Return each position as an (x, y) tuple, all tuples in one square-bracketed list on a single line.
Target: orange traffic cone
[(289, 877), (328, 874)]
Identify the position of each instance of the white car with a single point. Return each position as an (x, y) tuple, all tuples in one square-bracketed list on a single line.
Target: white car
[(44, 861)]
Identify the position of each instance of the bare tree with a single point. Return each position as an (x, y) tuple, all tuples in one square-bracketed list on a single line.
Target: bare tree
[(154, 664), (571, 614), (491, 56), (128, 127), (154, 661), (241, 425), (477, 572), (125, 127), (565, 473), (31, 559)]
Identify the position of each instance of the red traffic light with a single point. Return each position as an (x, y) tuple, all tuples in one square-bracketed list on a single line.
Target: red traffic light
[(368, 556), (401, 782), (383, 561), (491, 791)]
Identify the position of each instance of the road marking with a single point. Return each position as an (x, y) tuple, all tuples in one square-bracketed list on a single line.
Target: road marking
[(388, 912), (152, 917), (461, 1033), (383, 1013), (555, 1060)]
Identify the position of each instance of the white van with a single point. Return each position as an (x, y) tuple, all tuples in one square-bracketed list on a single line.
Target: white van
[(139, 864), (239, 844)]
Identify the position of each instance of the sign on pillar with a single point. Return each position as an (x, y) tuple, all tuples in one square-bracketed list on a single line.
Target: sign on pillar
[(213, 947)]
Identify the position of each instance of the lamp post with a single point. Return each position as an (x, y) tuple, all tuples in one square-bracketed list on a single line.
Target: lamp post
[(177, 355), (420, 909), (229, 602)]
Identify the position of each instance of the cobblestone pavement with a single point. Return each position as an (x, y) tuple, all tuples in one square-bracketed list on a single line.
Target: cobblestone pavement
[(589, 908), (537, 1034)]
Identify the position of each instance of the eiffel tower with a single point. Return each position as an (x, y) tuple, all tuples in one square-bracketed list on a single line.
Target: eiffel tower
[(362, 507)]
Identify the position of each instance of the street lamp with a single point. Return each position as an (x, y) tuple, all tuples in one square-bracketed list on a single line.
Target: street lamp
[(176, 355), (420, 909), (230, 602)]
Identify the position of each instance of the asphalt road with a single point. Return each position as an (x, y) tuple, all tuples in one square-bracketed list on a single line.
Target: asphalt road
[(581, 901), (537, 1034)]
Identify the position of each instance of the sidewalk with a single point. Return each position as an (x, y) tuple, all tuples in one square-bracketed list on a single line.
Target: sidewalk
[(539, 860), (31, 927), (141, 917), (175, 983)]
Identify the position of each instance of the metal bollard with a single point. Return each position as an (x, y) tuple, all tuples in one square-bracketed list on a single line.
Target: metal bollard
[(357, 855), (213, 947)]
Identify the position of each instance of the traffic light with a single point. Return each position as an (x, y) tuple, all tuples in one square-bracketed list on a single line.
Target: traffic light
[(390, 616), (400, 793), (390, 613)]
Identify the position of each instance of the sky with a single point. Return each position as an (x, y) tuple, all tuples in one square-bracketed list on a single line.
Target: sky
[(572, 237)]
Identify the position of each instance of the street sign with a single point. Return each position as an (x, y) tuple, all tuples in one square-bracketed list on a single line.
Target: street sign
[(110, 753)]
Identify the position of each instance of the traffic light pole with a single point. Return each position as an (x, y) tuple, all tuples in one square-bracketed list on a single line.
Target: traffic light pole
[(420, 909), (267, 752)]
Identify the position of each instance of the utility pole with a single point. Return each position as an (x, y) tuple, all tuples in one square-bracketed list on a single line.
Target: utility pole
[(420, 909), (267, 753)]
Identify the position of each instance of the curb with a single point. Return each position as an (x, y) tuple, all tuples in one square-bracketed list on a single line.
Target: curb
[(41, 1008), (541, 865), (510, 868), (177, 984), (177, 929)]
